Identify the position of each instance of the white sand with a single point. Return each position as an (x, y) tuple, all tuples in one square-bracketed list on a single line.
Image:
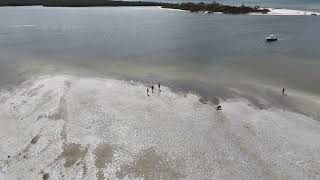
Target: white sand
[(289, 12), (89, 128)]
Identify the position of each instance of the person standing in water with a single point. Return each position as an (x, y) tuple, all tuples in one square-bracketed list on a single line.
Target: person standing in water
[(152, 88), (283, 91), (148, 91), (159, 87)]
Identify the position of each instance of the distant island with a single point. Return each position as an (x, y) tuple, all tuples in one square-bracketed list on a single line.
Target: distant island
[(76, 3), (192, 7), (215, 7)]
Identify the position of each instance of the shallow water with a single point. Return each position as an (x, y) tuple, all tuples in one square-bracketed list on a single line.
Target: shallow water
[(191, 51)]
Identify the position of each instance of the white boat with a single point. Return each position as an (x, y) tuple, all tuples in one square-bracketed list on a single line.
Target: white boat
[(271, 38)]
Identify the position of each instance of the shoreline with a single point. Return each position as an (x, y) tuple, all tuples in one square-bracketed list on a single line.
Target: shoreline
[(272, 11), (288, 12)]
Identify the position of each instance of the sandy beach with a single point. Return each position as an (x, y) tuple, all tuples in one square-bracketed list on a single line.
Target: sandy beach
[(67, 127), (290, 12)]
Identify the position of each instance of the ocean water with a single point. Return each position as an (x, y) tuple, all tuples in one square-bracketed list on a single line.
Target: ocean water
[(198, 52)]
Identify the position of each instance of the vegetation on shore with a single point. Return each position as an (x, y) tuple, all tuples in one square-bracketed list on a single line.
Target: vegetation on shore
[(216, 7), (76, 3), (192, 7)]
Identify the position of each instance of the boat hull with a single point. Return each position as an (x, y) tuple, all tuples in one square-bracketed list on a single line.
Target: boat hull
[(270, 40)]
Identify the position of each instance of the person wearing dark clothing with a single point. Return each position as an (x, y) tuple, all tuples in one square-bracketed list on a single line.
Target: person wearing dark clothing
[(283, 91), (152, 88), (148, 91), (159, 87)]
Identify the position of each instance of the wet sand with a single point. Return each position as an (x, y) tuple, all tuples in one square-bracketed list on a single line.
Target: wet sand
[(69, 127)]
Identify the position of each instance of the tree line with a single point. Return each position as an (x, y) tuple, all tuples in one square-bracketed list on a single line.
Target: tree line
[(216, 7), (75, 3), (192, 7)]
